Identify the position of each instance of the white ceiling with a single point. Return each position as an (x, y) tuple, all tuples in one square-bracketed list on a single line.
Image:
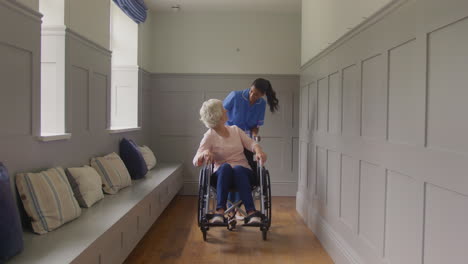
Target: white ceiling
[(260, 6)]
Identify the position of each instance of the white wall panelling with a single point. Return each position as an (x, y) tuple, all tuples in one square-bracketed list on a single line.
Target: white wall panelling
[(349, 211), (374, 98), (445, 233), (404, 224), (372, 205), (406, 109), (322, 177), (178, 131), (322, 105), (401, 149), (351, 123), (334, 182), (334, 104)]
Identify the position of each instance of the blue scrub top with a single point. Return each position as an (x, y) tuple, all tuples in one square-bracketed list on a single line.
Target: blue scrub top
[(241, 113)]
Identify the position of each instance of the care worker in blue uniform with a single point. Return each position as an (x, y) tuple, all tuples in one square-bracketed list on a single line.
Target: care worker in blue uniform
[(246, 109)]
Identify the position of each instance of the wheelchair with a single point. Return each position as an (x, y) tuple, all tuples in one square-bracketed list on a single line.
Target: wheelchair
[(261, 192)]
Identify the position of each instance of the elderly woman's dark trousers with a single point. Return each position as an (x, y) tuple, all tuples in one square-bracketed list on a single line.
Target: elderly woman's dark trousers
[(237, 177)]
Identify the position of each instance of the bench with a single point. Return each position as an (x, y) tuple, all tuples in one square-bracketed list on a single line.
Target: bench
[(107, 232)]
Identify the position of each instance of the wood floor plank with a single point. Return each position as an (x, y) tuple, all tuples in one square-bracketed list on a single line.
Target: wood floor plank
[(176, 238)]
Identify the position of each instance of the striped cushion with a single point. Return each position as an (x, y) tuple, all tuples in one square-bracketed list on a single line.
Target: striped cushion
[(113, 173), (86, 184), (47, 198)]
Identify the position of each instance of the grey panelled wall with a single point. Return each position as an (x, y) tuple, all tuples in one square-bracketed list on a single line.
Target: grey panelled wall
[(88, 81), (177, 130), (383, 138)]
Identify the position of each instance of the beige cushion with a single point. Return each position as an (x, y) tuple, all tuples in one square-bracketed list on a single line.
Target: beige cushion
[(149, 157), (86, 184), (113, 173), (47, 198)]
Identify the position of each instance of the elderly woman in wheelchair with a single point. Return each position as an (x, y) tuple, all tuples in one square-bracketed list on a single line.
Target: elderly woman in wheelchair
[(223, 146)]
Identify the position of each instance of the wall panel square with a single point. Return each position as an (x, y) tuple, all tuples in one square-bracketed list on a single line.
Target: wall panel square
[(350, 192), (406, 117), (403, 235), (372, 205), (374, 98), (351, 102), (447, 88)]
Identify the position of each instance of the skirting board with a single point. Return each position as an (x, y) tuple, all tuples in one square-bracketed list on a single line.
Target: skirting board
[(277, 189), (338, 249)]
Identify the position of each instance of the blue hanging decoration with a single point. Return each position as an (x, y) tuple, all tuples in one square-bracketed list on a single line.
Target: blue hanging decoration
[(135, 9)]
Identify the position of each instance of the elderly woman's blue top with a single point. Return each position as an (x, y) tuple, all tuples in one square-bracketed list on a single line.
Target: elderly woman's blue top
[(241, 113)]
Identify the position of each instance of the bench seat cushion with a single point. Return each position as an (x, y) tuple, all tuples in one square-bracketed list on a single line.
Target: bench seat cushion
[(114, 174), (86, 184), (133, 159), (47, 198), (149, 157)]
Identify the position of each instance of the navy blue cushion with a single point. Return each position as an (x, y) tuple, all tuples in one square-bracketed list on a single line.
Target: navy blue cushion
[(134, 161), (11, 241)]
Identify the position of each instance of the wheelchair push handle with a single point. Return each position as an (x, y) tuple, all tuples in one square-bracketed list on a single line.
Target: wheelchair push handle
[(257, 139)]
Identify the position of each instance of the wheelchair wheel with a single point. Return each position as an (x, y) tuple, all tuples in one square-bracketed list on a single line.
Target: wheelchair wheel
[(201, 195), (264, 234), (267, 191)]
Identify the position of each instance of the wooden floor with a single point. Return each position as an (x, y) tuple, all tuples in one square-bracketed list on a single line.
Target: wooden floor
[(176, 238)]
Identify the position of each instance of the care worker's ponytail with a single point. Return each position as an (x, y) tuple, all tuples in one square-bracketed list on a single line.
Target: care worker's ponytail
[(265, 87)]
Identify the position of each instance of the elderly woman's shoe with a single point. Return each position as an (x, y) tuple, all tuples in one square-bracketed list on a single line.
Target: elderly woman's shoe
[(254, 218), (217, 219)]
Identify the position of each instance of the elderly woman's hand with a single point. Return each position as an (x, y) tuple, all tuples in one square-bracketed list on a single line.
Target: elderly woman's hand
[(261, 156), (206, 156)]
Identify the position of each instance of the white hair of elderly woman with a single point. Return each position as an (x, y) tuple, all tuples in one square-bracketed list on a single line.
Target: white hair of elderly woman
[(211, 112)]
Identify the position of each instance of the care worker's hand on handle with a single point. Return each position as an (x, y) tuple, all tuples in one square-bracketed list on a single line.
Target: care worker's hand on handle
[(206, 156)]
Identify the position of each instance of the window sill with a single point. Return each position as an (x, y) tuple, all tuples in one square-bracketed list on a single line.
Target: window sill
[(123, 130), (55, 137)]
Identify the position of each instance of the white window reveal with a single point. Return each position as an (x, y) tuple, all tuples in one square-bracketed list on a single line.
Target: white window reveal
[(53, 71), (124, 84)]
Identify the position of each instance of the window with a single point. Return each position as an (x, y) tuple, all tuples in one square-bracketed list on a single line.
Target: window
[(124, 83), (52, 70)]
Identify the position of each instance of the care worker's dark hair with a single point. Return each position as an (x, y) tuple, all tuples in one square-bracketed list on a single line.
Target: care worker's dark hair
[(264, 86)]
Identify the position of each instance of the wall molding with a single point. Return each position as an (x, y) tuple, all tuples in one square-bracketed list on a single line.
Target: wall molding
[(223, 75), (53, 30), (94, 45), (144, 71), (22, 9), (335, 245), (129, 68), (379, 15), (340, 251)]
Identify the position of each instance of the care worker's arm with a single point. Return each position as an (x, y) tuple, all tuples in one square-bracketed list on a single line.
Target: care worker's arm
[(251, 145), (255, 131), (228, 102), (260, 122)]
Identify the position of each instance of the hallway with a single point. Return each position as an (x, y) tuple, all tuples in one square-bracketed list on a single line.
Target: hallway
[(289, 241)]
